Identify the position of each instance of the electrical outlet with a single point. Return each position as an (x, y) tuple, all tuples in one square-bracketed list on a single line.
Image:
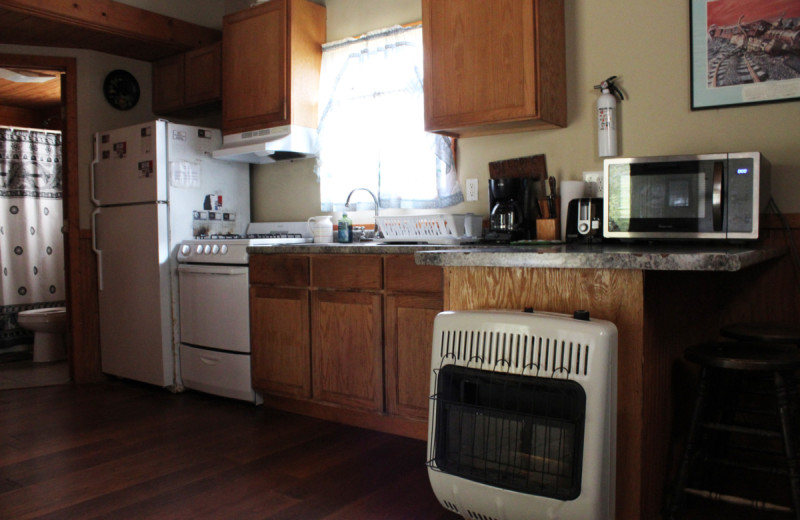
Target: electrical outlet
[(594, 184), (472, 190)]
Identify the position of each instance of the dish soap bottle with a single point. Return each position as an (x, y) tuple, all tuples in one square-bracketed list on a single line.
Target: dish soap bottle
[(345, 229)]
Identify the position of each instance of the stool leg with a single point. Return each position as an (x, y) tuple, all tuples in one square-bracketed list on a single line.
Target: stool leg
[(782, 382), (678, 494)]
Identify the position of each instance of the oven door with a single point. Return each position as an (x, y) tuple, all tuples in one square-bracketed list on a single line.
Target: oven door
[(214, 306)]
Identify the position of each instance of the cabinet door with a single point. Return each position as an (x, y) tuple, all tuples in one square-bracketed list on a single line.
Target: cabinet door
[(409, 332), (254, 64), (168, 77), (203, 75), (281, 350), (347, 355), (493, 66)]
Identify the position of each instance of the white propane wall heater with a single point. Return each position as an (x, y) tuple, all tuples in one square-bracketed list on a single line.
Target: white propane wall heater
[(522, 420)]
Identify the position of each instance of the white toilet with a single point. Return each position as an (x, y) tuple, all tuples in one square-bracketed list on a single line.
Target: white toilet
[(48, 326)]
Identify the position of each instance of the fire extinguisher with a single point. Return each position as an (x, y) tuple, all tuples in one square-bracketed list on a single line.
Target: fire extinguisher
[(607, 117)]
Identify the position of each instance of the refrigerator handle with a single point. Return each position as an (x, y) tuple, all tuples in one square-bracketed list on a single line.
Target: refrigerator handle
[(93, 170), (97, 250)]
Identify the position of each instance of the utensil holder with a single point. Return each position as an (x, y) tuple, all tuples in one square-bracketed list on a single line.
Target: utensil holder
[(548, 229)]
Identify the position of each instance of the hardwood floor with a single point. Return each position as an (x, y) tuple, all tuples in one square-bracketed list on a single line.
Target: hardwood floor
[(122, 450), (26, 374)]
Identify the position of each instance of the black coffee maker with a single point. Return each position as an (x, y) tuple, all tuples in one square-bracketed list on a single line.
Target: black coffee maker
[(510, 209)]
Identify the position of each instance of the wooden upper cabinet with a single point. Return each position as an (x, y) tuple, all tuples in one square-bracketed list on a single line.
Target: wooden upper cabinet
[(493, 67), (271, 61), (168, 82), (203, 75), (188, 81)]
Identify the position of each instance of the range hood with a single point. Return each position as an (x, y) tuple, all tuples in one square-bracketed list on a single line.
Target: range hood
[(269, 145)]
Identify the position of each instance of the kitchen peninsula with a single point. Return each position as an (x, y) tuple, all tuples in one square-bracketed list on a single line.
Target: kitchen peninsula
[(662, 299)]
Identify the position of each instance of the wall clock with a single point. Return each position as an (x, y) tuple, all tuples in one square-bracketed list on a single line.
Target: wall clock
[(121, 89)]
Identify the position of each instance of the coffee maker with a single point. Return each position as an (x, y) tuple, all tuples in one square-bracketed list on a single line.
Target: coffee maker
[(511, 201)]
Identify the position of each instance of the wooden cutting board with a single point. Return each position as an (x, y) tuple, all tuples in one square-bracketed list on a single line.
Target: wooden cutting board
[(534, 166)]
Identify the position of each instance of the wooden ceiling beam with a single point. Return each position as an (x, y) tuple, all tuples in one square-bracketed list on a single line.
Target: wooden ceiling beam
[(115, 19)]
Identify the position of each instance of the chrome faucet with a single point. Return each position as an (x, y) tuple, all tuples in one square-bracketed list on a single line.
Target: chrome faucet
[(378, 232)]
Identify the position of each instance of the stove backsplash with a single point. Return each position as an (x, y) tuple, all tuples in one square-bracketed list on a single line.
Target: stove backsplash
[(211, 222)]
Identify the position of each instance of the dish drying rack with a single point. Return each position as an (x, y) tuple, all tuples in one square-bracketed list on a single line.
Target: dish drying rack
[(430, 229)]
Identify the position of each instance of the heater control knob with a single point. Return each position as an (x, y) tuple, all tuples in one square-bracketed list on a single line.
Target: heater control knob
[(581, 315)]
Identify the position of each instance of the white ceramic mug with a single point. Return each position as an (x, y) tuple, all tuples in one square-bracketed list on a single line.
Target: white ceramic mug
[(321, 228)]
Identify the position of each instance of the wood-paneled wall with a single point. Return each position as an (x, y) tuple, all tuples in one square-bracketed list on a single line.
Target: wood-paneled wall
[(85, 333)]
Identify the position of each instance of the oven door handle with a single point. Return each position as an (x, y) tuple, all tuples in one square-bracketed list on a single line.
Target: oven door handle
[(227, 270)]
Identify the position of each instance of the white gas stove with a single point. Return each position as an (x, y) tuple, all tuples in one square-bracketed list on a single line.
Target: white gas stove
[(232, 249), (214, 307)]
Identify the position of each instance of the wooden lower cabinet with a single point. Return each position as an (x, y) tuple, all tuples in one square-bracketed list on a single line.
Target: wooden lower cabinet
[(347, 339), (280, 341), (409, 327)]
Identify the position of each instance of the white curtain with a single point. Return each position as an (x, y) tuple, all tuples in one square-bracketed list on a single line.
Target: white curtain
[(371, 126), (31, 221)]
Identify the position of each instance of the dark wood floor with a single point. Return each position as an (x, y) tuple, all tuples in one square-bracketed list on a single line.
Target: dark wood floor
[(121, 450)]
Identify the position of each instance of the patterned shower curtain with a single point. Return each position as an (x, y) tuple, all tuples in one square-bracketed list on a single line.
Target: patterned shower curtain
[(31, 234)]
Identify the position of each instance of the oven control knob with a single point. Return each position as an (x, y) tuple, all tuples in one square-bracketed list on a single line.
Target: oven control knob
[(207, 250), (185, 250), (214, 249), (224, 249), (199, 249)]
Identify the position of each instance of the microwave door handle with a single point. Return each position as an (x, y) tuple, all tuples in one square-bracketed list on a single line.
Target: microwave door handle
[(716, 197)]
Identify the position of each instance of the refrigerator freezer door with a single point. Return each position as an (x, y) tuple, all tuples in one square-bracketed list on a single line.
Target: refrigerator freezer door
[(136, 337), (129, 165)]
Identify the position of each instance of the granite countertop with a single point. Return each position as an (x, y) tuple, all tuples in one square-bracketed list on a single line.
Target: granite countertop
[(651, 257), (654, 257)]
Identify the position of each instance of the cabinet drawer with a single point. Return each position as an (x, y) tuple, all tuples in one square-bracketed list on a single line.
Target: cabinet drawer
[(289, 270), (220, 373), (403, 274), (347, 271)]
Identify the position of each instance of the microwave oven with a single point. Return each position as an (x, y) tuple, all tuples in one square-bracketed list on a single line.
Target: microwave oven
[(713, 196)]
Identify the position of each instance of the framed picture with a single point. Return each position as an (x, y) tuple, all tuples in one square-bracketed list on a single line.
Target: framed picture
[(744, 52)]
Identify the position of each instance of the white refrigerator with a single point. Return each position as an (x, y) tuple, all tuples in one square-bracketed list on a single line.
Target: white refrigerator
[(152, 185)]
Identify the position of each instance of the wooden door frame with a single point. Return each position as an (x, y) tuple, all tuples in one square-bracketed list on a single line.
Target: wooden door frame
[(77, 335)]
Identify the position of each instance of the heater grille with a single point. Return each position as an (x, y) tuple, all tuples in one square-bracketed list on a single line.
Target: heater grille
[(517, 432), (522, 415), (515, 353)]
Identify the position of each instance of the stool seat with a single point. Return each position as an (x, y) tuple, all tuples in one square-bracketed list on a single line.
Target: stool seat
[(777, 332), (741, 355)]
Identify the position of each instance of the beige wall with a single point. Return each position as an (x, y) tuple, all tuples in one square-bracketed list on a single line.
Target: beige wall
[(652, 60), (646, 44)]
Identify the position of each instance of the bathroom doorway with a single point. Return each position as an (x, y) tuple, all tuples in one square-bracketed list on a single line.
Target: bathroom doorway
[(35, 92)]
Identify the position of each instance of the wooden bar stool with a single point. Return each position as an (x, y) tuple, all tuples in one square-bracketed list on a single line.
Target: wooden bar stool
[(756, 331), (719, 417)]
